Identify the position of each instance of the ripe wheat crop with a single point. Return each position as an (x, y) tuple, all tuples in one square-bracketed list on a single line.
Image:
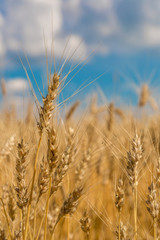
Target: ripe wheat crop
[(83, 176)]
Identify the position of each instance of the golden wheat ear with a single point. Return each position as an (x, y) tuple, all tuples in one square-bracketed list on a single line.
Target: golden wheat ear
[(69, 205), (3, 87), (45, 112), (144, 95), (85, 223), (153, 206), (71, 110)]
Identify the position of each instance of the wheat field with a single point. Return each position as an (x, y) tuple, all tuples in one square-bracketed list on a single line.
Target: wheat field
[(92, 175)]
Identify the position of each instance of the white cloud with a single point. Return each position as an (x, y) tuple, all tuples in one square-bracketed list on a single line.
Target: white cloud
[(151, 35), (117, 25), (2, 46), (100, 5), (27, 20), (16, 85), (27, 23)]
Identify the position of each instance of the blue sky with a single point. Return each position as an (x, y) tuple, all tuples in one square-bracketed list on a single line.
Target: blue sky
[(124, 36)]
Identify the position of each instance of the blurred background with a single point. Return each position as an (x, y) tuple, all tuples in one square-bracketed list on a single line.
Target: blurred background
[(115, 42)]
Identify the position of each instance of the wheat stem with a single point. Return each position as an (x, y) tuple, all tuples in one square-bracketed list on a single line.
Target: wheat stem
[(39, 230), (155, 228), (119, 226), (68, 220), (34, 224), (47, 206), (135, 211)]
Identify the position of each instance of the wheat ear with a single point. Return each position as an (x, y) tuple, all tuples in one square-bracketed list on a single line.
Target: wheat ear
[(43, 179), (69, 206), (82, 167), (153, 206), (65, 161), (20, 188), (2, 233), (123, 232), (110, 122), (144, 95), (85, 222), (119, 202), (134, 156), (72, 110), (45, 112)]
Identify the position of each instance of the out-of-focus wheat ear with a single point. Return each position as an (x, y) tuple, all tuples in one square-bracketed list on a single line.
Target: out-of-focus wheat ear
[(120, 113), (5, 194), (52, 216), (7, 219), (52, 153), (71, 110), (119, 202), (20, 187), (2, 233), (29, 114), (45, 112), (119, 195), (85, 223), (3, 87), (18, 233), (65, 160), (12, 205), (43, 179), (144, 95), (93, 105), (94, 109), (123, 232), (8, 147), (82, 168), (158, 176), (153, 103), (110, 121), (153, 206), (70, 204), (134, 156)]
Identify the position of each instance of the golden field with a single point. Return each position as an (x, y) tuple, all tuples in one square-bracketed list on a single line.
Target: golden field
[(94, 174)]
